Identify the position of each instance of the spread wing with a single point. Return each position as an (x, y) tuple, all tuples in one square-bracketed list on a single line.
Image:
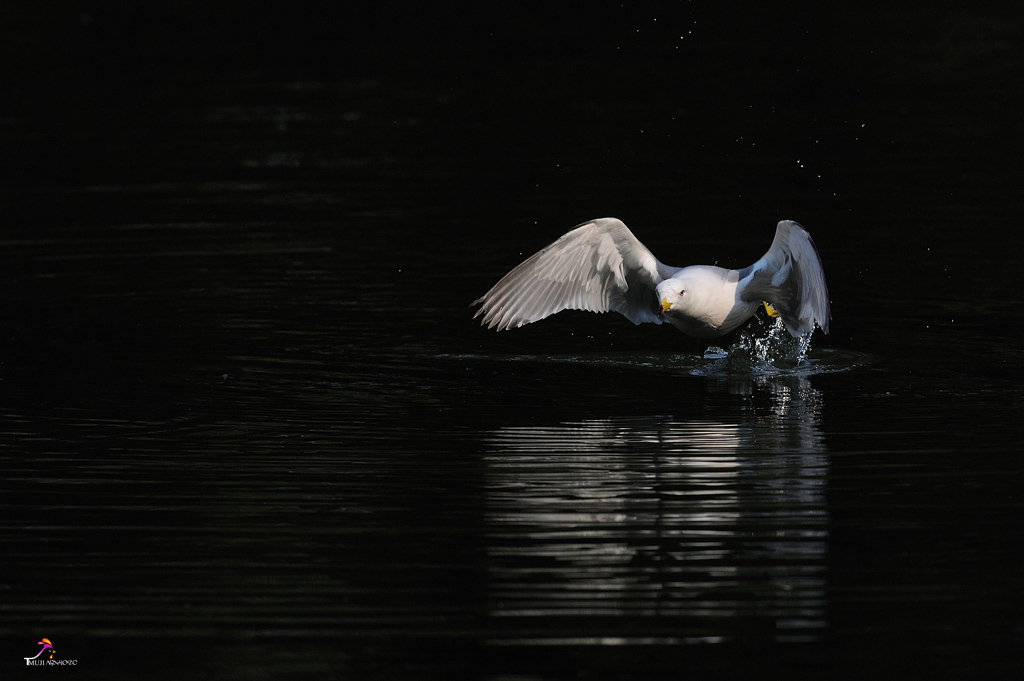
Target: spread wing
[(597, 266), (790, 277)]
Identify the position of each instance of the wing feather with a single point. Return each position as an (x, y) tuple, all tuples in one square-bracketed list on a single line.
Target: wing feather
[(598, 266), (790, 277)]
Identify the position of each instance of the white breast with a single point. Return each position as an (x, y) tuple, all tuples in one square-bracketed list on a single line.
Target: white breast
[(710, 305)]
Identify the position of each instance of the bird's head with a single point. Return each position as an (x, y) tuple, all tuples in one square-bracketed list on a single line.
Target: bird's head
[(672, 297)]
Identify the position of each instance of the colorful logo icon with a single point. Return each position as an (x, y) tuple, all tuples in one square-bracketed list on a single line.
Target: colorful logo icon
[(46, 645)]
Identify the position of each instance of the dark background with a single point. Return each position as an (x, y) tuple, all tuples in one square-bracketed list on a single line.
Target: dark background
[(880, 85), (249, 425), (891, 131)]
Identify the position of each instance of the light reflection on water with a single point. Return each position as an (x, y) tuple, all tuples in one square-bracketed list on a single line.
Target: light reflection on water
[(709, 525)]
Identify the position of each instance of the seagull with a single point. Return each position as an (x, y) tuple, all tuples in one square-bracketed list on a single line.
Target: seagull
[(599, 266)]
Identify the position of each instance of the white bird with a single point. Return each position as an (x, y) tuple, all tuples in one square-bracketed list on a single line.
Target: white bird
[(600, 266)]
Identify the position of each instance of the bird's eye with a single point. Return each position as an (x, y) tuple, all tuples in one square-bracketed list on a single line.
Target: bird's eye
[(682, 292)]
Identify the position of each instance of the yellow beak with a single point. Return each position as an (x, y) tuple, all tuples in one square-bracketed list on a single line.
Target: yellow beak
[(772, 312), (665, 305)]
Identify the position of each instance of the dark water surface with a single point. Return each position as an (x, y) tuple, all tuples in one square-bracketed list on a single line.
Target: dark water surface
[(249, 429)]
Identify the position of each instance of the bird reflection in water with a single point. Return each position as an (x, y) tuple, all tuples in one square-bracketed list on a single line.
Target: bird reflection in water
[(663, 529)]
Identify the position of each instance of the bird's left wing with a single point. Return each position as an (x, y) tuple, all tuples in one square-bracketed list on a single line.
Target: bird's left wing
[(598, 266), (790, 277)]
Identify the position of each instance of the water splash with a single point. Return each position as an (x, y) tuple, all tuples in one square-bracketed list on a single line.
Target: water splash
[(777, 347), (758, 352)]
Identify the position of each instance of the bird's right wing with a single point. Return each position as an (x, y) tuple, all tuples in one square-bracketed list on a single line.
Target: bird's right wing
[(598, 266)]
